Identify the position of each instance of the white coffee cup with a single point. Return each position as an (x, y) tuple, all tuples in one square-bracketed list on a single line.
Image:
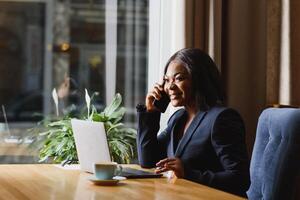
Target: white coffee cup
[(106, 170)]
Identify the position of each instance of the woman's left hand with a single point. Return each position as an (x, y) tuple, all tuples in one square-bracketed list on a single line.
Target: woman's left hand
[(174, 164)]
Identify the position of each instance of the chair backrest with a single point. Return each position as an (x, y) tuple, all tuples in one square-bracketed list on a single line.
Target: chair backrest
[(275, 159)]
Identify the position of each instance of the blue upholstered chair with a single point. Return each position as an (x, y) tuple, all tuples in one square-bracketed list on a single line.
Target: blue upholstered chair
[(275, 162)]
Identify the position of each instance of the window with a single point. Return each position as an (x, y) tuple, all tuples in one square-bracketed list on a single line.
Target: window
[(68, 45)]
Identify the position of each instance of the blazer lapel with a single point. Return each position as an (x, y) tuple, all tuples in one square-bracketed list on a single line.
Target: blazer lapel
[(172, 151), (189, 133)]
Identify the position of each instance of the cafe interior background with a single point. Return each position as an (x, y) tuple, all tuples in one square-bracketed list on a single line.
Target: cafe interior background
[(121, 46)]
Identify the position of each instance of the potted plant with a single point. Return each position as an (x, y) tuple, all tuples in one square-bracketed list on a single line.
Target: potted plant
[(56, 142)]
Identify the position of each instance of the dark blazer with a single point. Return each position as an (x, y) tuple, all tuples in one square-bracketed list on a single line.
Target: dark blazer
[(213, 149)]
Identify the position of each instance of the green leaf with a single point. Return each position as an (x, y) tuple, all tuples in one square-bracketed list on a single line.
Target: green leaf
[(114, 126), (99, 117), (114, 105), (118, 113)]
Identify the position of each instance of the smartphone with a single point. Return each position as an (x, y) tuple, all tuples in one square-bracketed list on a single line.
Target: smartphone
[(162, 103)]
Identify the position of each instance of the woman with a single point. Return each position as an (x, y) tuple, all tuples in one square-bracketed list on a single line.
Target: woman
[(204, 141)]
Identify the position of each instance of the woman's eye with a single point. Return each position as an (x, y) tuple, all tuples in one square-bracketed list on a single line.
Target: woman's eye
[(179, 78), (166, 80)]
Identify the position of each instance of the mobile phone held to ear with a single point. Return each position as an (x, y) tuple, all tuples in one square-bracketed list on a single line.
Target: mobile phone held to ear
[(162, 103)]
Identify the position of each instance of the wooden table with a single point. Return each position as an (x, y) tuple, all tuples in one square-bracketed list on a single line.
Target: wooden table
[(44, 182)]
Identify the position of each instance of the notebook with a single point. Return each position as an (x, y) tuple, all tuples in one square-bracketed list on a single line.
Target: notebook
[(92, 146)]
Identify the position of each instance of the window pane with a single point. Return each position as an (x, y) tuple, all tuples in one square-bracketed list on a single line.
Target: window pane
[(21, 54), (66, 48), (132, 54), (21, 89)]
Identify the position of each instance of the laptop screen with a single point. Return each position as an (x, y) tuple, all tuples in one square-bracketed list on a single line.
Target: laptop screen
[(91, 143)]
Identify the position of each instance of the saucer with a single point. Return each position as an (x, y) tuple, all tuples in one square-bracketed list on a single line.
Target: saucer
[(108, 182)]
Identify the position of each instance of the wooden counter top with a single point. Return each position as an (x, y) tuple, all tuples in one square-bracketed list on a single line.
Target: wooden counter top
[(42, 182)]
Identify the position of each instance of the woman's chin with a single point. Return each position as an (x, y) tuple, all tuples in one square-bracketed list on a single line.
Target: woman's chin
[(176, 103)]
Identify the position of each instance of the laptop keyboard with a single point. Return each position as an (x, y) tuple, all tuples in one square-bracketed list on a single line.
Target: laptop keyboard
[(135, 173)]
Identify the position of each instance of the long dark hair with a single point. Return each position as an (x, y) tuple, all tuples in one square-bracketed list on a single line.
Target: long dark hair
[(206, 79)]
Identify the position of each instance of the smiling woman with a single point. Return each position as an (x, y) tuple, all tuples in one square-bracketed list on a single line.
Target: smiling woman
[(178, 82), (203, 142)]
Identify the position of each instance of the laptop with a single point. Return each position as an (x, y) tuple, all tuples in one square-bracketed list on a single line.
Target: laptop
[(92, 146)]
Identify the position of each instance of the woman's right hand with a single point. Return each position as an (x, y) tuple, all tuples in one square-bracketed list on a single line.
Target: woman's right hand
[(154, 94)]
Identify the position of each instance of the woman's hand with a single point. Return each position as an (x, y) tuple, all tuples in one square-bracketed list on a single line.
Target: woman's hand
[(155, 93), (174, 164)]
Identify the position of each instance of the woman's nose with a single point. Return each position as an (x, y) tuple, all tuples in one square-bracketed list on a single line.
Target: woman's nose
[(172, 86)]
